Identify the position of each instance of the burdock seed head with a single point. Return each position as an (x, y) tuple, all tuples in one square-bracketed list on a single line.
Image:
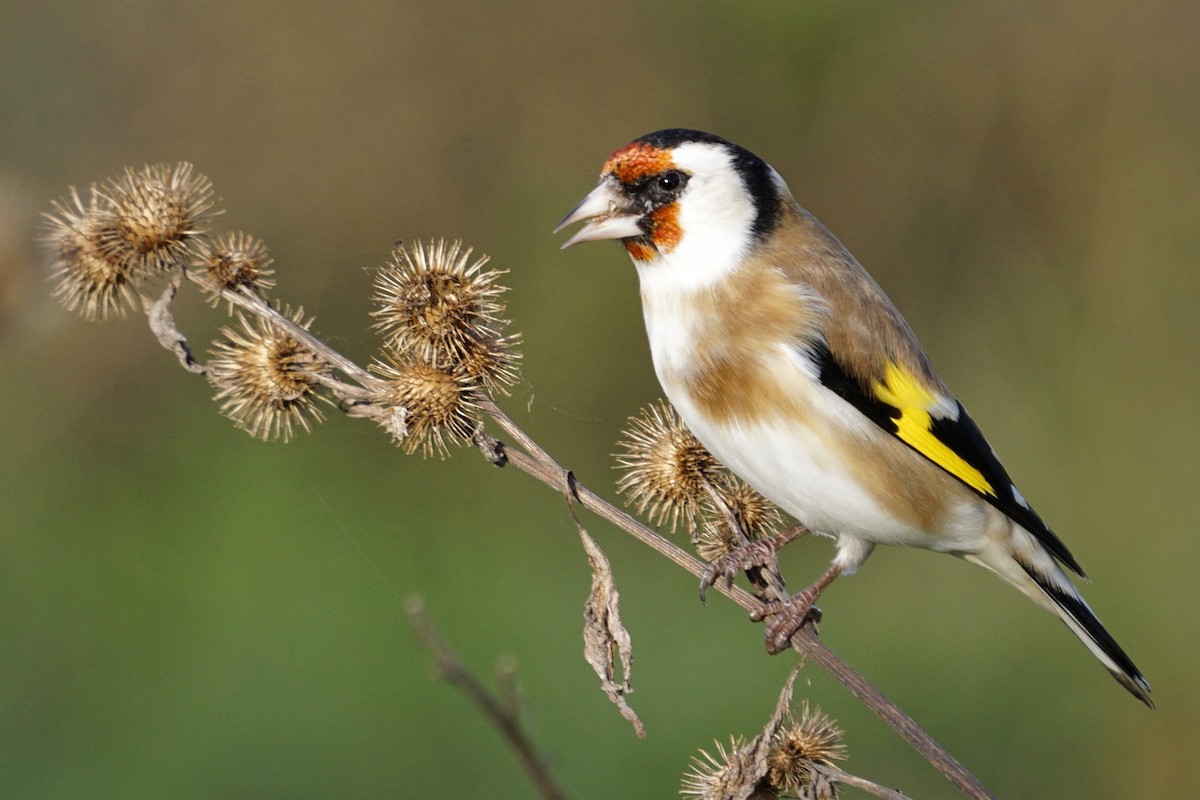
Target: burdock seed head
[(88, 281), (724, 775), (757, 516), (433, 301), (492, 363), (154, 214), (234, 261), (431, 406), (267, 381), (812, 738), (438, 306), (106, 246), (667, 470)]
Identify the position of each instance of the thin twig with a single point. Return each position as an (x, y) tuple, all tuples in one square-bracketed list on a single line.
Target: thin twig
[(502, 714), (847, 779), (523, 439), (248, 301)]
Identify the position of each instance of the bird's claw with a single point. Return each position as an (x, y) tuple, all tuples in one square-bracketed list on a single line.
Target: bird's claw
[(760, 553), (786, 618)]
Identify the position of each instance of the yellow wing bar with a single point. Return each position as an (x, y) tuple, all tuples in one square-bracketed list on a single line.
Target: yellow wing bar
[(904, 392)]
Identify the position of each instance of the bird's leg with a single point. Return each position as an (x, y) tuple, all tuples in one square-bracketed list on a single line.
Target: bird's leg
[(752, 555), (789, 616)]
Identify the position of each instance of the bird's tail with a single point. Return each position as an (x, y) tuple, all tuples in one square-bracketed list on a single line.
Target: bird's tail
[(1032, 570), (1073, 611)]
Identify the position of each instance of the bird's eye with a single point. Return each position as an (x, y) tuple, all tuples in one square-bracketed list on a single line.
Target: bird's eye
[(658, 190), (669, 181)]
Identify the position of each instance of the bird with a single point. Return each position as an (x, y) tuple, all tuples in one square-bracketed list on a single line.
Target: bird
[(790, 364)]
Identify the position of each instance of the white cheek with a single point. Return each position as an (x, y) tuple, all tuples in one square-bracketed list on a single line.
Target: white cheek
[(716, 217), (706, 253)]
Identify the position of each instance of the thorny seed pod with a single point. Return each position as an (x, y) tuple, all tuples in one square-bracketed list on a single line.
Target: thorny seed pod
[(724, 775), (153, 215), (812, 738), (88, 282), (433, 301), (234, 261), (492, 363), (666, 468), (757, 515), (438, 306), (267, 380), (431, 406)]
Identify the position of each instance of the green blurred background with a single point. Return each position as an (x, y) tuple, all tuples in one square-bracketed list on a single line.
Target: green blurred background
[(188, 613)]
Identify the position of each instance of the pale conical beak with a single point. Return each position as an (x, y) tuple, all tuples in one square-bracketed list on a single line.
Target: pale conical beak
[(606, 209)]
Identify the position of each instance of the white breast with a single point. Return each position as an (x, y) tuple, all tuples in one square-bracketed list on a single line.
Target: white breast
[(792, 463)]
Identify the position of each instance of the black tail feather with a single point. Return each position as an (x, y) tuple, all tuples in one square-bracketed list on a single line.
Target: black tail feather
[(1089, 625)]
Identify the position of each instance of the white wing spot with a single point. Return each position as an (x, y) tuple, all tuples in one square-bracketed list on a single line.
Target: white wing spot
[(944, 408), (1020, 498)]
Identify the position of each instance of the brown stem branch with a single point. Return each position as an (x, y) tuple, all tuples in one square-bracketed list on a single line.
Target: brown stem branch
[(502, 714), (248, 301), (848, 779), (805, 641), (523, 439)]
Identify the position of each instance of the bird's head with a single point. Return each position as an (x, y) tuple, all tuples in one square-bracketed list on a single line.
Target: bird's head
[(681, 196)]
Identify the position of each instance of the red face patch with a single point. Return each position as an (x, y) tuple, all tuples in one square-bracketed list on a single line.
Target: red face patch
[(664, 234), (636, 161), (639, 250)]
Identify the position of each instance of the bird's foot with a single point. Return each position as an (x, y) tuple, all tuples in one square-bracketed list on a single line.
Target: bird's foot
[(787, 617), (758, 554)]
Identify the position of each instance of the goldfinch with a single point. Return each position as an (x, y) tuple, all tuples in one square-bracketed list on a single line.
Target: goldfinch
[(791, 365)]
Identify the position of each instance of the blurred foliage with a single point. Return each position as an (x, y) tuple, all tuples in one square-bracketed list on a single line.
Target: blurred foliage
[(189, 613)]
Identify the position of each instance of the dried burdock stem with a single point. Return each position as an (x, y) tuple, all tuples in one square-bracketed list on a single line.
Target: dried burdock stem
[(256, 305), (503, 713), (348, 391), (848, 779), (534, 461), (523, 439)]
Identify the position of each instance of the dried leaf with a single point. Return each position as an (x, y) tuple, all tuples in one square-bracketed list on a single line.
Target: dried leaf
[(162, 324), (819, 787), (604, 637), (759, 748)]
